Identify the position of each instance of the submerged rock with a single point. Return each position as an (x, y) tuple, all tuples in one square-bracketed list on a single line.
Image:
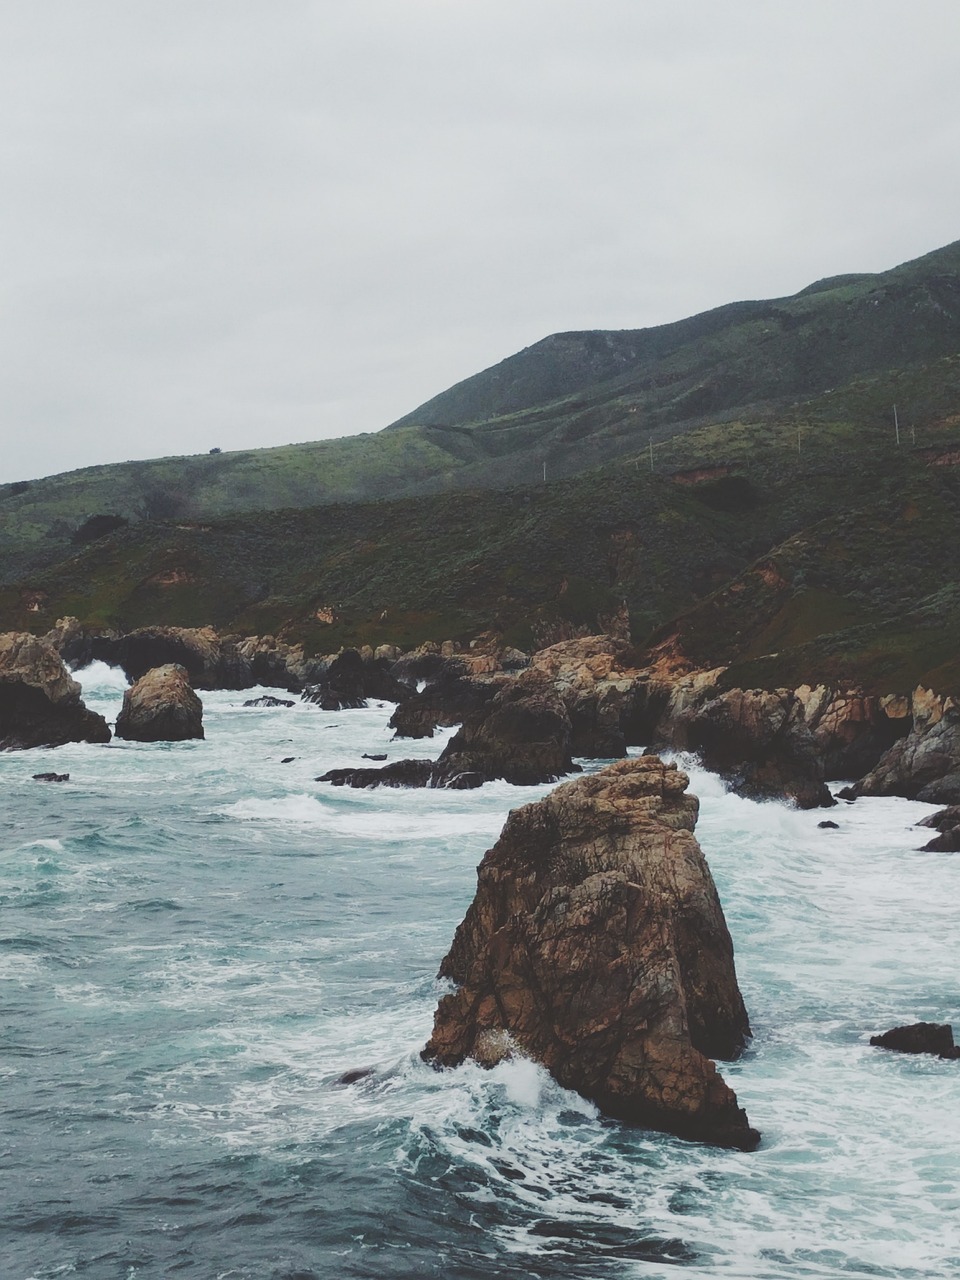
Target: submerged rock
[(51, 777), (920, 1037), (40, 703), (268, 700), (596, 945), (161, 707)]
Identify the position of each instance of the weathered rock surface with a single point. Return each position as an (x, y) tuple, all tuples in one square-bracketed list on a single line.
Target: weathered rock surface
[(523, 736), (920, 1037), (924, 765), (851, 730), (597, 946), (40, 703), (760, 742), (161, 707)]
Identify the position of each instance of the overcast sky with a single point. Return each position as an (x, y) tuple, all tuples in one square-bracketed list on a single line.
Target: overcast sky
[(239, 223)]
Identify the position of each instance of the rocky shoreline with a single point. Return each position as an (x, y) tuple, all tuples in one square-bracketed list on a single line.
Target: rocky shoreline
[(525, 718)]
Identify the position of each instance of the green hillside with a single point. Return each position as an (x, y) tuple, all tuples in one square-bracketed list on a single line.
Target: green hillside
[(840, 560), (840, 352)]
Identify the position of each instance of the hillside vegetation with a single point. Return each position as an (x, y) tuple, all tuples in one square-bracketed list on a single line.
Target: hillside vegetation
[(734, 480), (571, 402)]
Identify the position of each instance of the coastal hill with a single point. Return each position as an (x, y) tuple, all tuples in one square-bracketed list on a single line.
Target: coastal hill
[(571, 402), (735, 480)]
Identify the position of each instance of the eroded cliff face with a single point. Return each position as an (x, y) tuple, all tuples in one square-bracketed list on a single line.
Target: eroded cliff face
[(597, 946)]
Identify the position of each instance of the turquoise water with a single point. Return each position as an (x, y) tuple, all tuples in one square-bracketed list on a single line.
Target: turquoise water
[(197, 941)]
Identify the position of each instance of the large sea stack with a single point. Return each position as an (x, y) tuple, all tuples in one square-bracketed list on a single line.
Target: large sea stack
[(161, 707), (40, 703), (596, 945)]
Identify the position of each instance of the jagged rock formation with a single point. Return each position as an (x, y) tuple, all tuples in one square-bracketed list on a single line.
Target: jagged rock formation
[(924, 765), (947, 824), (449, 698), (40, 703), (353, 677), (920, 1037), (596, 945), (161, 707), (760, 742), (522, 735)]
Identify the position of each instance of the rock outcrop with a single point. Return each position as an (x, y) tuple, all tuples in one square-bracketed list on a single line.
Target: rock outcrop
[(40, 703), (596, 945), (920, 1037), (947, 825), (404, 773), (448, 698), (760, 742), (521, 736), (924, 765), (351, 678), (161, 707)]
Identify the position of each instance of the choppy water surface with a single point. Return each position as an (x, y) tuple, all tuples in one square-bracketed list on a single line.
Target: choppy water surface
[(197, 940)]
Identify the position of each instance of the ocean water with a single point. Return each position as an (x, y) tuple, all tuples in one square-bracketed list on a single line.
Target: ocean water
[(197, 941)]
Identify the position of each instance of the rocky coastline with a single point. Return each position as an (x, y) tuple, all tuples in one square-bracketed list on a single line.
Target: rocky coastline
[(527, 717)]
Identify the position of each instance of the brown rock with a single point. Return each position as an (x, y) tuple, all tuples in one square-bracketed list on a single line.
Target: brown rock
[(40, 703), (161, 707), (597, 946), (925, 764)]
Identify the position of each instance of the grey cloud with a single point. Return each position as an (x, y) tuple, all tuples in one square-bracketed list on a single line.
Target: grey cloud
[(243, 224)]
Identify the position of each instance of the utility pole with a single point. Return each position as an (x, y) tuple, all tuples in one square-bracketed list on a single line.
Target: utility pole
[(896, 425)]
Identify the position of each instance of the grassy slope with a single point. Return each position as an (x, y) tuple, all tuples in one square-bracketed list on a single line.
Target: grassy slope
[(842, 562), (574, 401)]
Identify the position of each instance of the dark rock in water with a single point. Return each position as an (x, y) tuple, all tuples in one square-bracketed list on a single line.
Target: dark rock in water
[(40, 703), (523, 736), (356, 1075), (847, 793), (920, 1037), (596, 945), (405, 773), (380, 755), (161, 707), (943, 819), (268, 700), (349, 681), (450, 697), (288, 759), (51, 777), (833, 826), (947, 823), (760, 742), (945, 790)]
